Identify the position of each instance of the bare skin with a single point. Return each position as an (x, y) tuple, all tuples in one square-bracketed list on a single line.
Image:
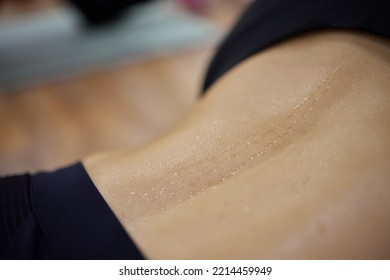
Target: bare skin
[(286, 157)]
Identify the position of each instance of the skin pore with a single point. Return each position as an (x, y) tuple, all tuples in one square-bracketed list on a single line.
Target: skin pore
[(285, 157)]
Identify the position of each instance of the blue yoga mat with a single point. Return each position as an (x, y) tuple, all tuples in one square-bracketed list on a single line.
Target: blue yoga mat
[(55, 44)]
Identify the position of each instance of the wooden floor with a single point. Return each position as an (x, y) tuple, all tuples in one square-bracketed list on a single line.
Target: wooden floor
[(54, 125)]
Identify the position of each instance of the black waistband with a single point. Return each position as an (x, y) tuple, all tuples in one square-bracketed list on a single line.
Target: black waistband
[(74, 218)]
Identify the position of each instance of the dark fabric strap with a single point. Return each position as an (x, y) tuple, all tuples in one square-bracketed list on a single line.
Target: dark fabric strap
[(267, 22)]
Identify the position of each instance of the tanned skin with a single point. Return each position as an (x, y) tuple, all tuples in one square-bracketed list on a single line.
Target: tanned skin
[(286, 157)]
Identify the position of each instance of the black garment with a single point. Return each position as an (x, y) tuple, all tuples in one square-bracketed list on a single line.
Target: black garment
[(15, 206), (64, 218), (267, 22), (99, 11), (68, 219)]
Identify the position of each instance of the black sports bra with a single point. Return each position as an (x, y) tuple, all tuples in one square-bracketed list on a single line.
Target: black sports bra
[(267, 22)]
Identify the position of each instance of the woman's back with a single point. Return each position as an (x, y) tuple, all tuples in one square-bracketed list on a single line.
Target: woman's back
[(287, 156)]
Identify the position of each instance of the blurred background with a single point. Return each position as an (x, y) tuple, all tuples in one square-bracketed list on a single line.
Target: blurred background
[(78, 77)]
